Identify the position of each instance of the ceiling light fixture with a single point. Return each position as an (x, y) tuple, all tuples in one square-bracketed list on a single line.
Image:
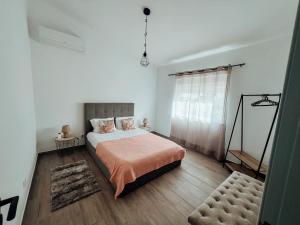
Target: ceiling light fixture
[(144, 60)]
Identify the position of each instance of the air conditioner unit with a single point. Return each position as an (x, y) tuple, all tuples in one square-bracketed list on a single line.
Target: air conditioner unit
[(60, 39)]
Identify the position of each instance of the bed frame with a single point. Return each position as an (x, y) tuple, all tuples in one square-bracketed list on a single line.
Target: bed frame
[(105, 110)]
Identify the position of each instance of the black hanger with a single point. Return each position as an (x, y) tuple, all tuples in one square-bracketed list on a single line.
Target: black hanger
[(265, 101)]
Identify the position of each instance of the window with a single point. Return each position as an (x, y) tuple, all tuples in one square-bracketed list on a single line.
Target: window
[(200, 98), (198, 115)]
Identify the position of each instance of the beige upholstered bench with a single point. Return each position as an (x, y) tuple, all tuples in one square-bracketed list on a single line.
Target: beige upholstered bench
[(235, 202)]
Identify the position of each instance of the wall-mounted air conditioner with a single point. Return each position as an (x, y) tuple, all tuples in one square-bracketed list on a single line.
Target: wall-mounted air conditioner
[(60, 39)]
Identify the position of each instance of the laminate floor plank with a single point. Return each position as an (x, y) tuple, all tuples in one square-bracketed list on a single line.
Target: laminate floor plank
[(167, 200)]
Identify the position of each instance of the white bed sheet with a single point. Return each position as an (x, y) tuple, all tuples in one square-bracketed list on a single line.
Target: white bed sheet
[(94, 138)]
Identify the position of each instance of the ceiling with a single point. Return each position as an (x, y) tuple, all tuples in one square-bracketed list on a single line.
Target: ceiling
[(177, 28)]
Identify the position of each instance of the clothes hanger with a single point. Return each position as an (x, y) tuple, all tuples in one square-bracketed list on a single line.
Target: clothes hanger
[(265, 101)]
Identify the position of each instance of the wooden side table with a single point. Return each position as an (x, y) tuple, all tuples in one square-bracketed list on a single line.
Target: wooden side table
[(62, 143)]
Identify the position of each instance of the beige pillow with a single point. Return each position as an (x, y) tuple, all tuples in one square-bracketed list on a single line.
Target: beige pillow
[(96, 123), (119, 121), (128, 124), (106, 126)]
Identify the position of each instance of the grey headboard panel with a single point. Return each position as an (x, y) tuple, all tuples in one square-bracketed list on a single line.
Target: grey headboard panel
[(104, 110)]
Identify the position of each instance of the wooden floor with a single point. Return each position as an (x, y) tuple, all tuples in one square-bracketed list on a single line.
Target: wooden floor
[(168, 199)]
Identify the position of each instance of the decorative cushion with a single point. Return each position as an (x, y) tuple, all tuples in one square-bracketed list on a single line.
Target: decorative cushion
[(235, 202), (96, 123), (128, 124), (119, 121), (106, 126)]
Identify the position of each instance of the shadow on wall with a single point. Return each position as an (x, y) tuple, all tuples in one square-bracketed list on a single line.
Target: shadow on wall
[(45, 138), (74, 118)]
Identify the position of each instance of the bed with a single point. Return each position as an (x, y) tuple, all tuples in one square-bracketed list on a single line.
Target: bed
[(97, 144)]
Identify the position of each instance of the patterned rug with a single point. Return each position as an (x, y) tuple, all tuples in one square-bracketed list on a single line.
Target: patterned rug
[(70, 183)]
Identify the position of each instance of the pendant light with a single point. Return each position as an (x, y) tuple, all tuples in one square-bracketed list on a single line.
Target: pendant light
[(144, 60)]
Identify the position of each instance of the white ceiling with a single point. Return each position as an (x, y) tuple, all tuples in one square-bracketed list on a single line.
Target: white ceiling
[(177, 28)]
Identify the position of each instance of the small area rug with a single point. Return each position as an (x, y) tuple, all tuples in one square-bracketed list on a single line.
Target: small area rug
[(70, 183)]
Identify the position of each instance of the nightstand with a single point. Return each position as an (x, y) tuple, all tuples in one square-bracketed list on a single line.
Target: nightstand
[(148, 128), (69, 142)]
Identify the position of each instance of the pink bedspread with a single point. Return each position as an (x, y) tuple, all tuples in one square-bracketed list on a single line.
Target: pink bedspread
[(129, 158)]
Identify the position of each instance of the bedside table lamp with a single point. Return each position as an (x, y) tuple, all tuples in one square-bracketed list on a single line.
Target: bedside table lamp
[(66, 131), (145, 122)]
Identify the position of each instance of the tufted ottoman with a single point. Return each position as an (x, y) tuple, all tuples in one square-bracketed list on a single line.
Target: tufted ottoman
[(235, 202)]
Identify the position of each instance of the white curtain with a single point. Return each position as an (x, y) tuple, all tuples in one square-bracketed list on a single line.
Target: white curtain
[(199, 111)]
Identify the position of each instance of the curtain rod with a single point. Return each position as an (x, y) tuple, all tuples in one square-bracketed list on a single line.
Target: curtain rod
[(207, 70)]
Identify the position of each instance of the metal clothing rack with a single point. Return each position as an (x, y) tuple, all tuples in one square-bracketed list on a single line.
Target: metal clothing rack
[(246, 160)]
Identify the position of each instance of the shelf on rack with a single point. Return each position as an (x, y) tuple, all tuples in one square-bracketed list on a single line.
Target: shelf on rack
[(240, 168), (249, 160)]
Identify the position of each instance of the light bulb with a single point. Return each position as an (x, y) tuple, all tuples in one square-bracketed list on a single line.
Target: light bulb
[(144, 60)]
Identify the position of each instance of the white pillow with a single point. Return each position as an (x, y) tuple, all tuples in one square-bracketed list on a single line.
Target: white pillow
[(119, 123), (96, 123)]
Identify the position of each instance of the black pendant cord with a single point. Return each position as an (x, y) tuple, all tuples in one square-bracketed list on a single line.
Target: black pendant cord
[(144, 60), (145, 34)]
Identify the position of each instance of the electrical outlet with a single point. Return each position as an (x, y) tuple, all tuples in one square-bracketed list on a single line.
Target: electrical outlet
[(24, 183)]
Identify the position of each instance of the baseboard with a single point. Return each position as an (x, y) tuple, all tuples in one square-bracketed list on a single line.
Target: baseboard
[(64, 149), (28, 190)]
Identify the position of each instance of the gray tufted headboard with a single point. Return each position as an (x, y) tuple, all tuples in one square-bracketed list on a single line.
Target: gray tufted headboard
[(104, 110)]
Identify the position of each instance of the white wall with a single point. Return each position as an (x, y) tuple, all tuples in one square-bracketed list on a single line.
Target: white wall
[(17, 117), (64, 80), (264, 73)]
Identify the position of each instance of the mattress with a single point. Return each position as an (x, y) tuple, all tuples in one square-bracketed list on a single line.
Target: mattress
[(95, 138), (129, 158)]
